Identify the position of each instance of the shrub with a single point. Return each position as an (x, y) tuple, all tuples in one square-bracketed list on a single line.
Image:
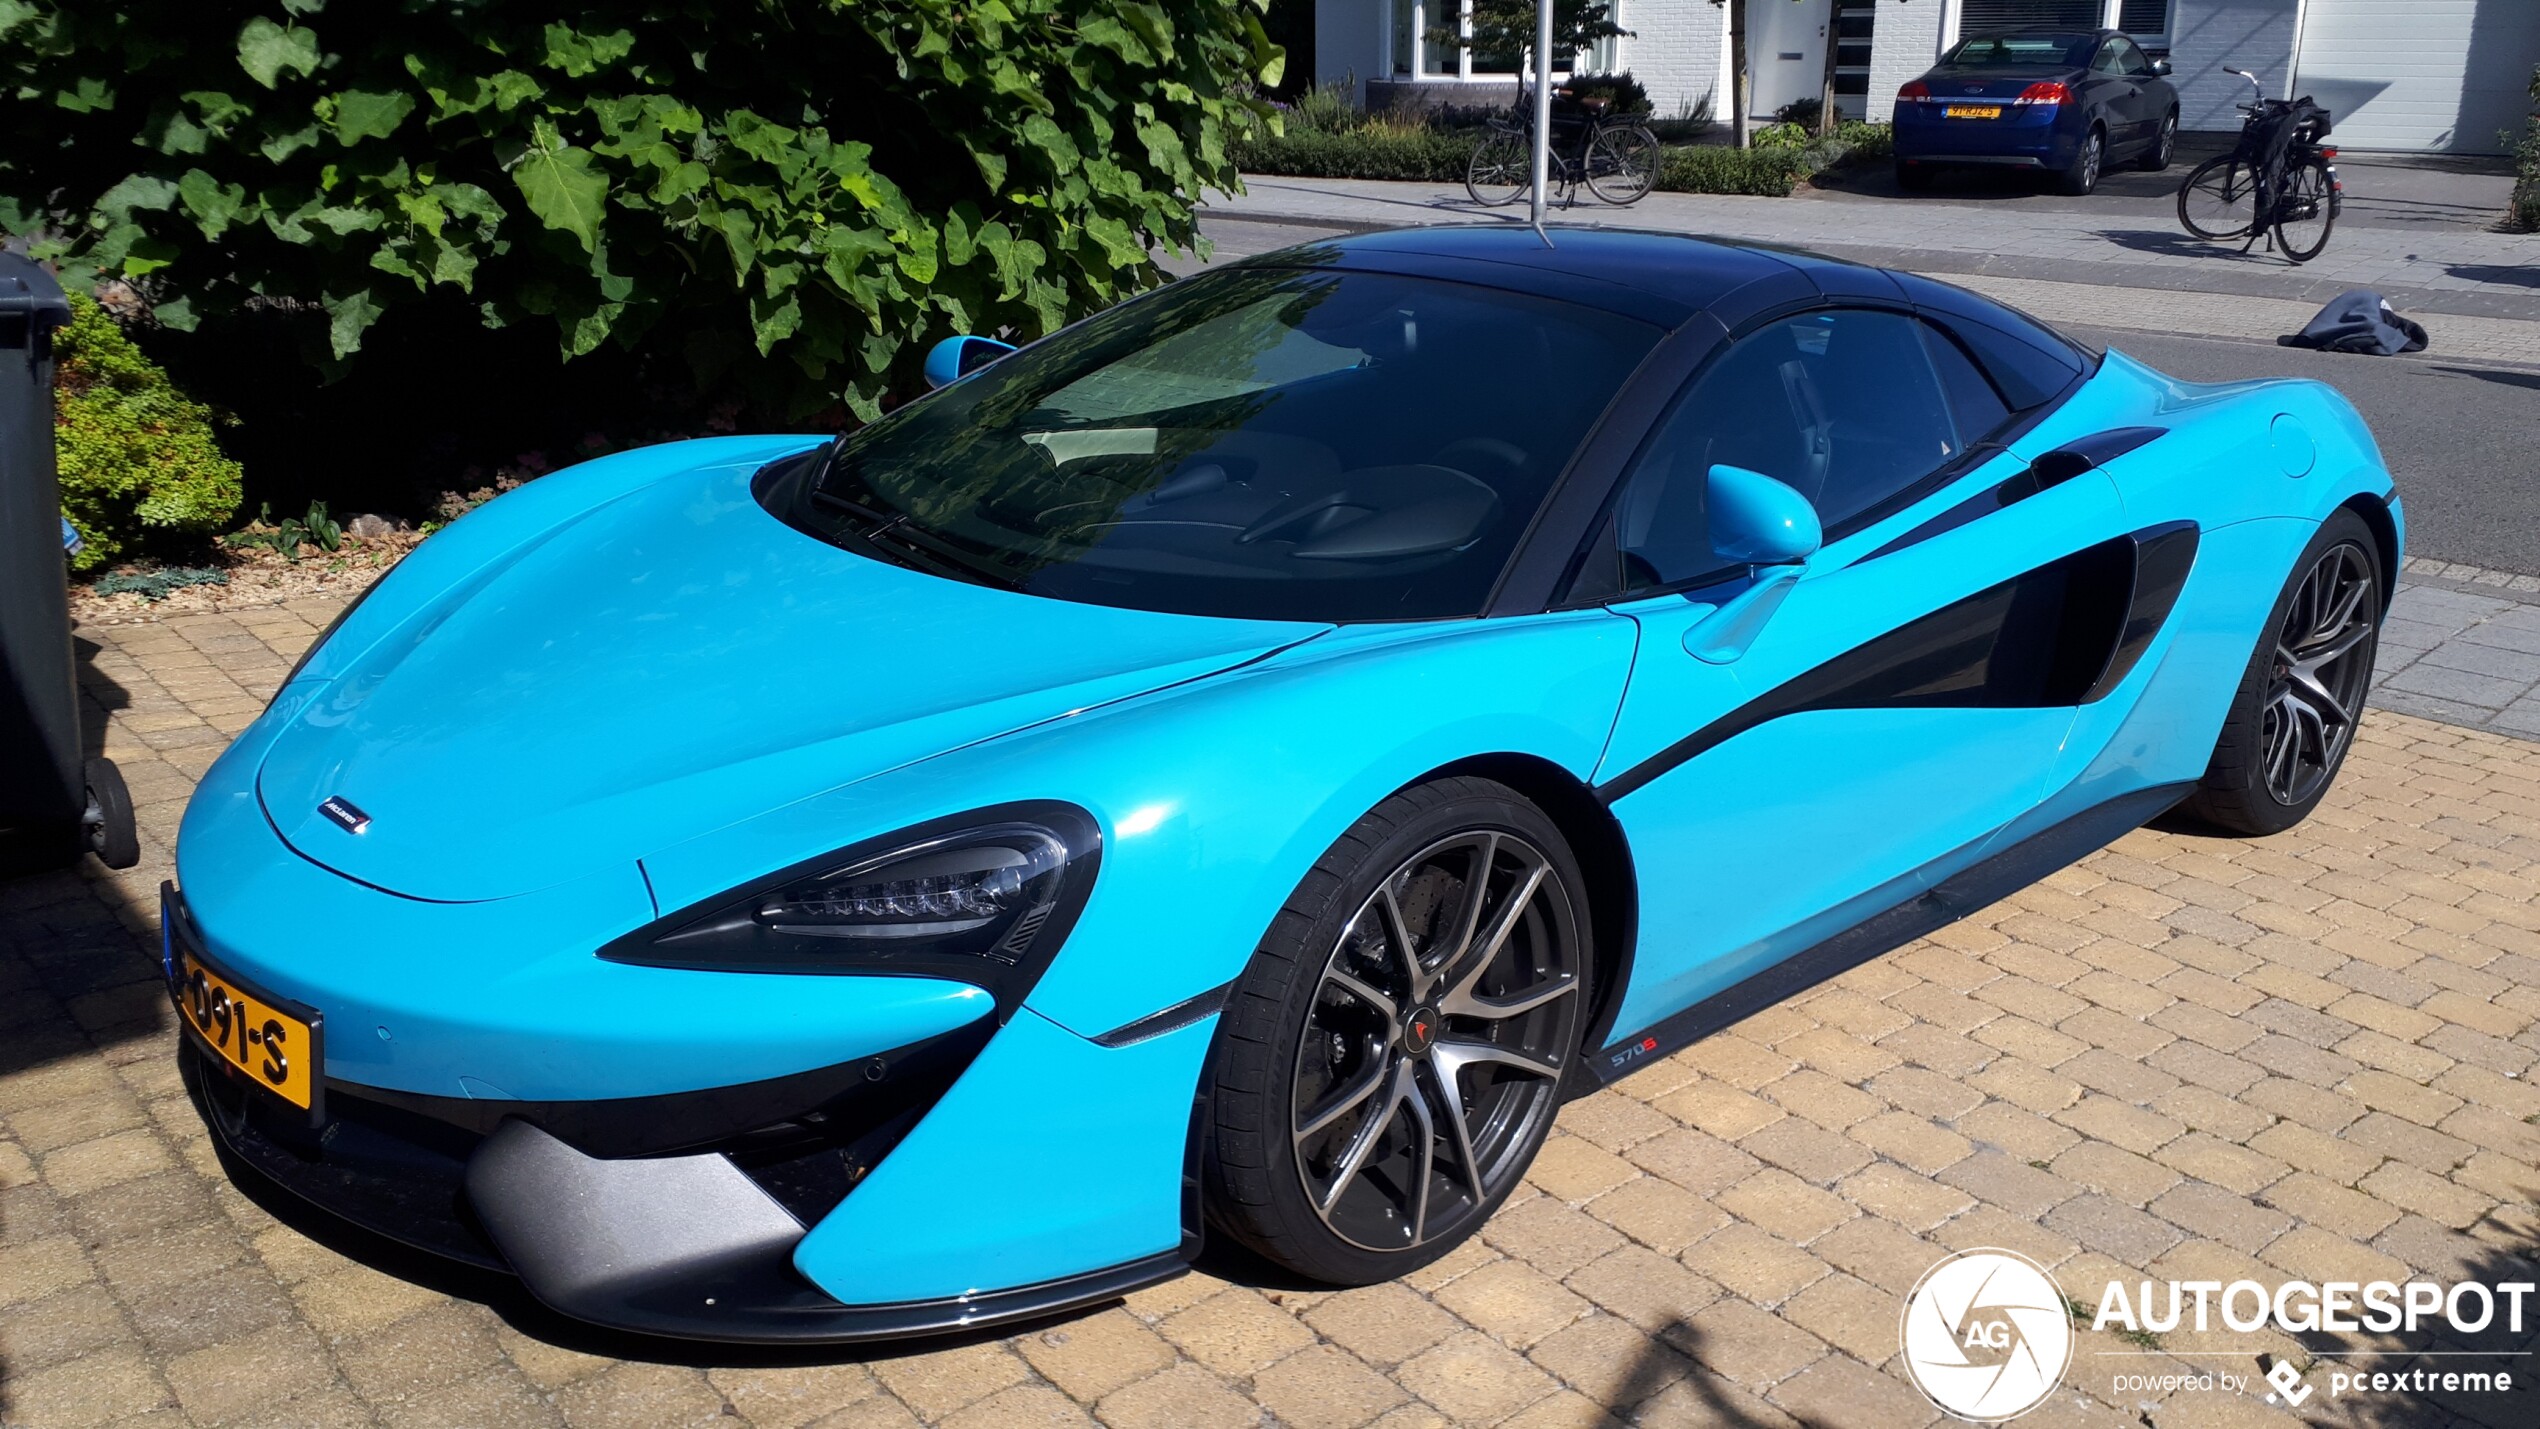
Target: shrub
[(1372, 153), (808, 189), (155, 585), (1803, 112), (138, 460), (2526, 199), (1713, 169), (1629, 95)]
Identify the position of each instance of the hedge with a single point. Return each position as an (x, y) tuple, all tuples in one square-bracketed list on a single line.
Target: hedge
[(2526, 199), (139, 463), (800, 194), (1432, 157)]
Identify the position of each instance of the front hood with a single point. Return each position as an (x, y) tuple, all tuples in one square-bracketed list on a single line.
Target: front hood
[(666, 663)]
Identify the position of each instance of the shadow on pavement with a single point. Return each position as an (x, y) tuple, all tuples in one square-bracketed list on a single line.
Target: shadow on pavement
[(2520, 275), (2174, 243), (2505, 376)]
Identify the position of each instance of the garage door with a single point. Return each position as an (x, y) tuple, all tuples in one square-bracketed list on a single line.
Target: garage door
[(2430, 76)]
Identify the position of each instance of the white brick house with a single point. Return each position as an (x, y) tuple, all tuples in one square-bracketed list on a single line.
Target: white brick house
[(2423, 76)]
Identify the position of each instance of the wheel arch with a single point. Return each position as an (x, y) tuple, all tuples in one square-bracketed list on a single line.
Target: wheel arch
[(2385, 539), (1605, 861)]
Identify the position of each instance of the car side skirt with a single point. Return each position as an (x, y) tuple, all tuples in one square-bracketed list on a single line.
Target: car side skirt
[(1905, 909)]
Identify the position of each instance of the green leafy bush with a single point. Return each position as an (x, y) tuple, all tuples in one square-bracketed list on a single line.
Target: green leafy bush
[(2526, 199), (1373, 153), (138, 461), (1713, 169), (811, 188), (1628, 95)]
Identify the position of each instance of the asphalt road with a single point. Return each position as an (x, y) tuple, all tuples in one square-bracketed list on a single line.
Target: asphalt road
[(2463, 439)]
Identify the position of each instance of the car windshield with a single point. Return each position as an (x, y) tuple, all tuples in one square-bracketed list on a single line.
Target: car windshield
[(2022, 51), (1258, 442)]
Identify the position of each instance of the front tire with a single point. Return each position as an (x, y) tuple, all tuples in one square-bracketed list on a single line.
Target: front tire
[(1501, 169), (2219, 199), (2294, 716), (1392, 1059)]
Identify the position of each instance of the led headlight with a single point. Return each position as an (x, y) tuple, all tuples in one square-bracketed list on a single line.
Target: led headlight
[(983, 898)]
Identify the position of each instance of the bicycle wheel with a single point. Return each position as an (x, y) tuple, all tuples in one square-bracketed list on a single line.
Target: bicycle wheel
[(2219, 200), (1501, 169), (2306, 212), (1622, 164)]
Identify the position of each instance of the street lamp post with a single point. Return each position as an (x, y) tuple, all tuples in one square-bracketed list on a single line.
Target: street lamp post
[(1543, 107)]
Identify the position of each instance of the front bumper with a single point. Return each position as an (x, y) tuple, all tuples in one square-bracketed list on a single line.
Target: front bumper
[(694, 1246)]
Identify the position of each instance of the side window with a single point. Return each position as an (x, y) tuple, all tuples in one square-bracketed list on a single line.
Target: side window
[(2134, 63), (2027, 372), (1977, 408), (1845, 407), (2110, 59)]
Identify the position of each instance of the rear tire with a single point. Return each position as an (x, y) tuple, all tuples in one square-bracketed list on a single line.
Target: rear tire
[(2164, 145), (1622, 165), (2219, 199), (1392, 1058), (2083, 176), (2294, 716), (2306, 212)]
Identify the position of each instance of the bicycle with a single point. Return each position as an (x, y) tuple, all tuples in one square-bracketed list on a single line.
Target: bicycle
[(2279, 179), (1614, 155)]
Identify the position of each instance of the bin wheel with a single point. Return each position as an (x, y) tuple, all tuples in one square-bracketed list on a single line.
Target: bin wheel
[(108, 823)]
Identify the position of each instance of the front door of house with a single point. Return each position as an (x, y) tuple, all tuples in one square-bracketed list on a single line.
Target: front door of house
[(1785, 54)]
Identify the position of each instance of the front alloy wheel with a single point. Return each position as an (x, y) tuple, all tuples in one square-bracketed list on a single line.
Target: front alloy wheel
[(1433, 1049), (1393, 1058)]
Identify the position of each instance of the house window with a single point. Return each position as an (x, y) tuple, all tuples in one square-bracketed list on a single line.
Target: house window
[(2148, 21), (1977, 17), (1417, 55)]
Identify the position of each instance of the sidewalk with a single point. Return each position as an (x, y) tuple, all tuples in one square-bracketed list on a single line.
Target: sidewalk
[(2463, 272)]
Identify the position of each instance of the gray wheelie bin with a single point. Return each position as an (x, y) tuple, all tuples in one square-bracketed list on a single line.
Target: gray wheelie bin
[(54, 804)]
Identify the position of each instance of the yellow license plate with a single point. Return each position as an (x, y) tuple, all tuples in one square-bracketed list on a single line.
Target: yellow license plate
[(1972, 111), (277, 1048)]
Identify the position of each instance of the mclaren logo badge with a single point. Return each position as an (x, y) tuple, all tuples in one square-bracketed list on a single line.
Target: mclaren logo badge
[(346, 813)]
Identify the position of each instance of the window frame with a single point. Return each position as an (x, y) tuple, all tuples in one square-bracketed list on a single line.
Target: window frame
[(1976, 452), (1606, 55)]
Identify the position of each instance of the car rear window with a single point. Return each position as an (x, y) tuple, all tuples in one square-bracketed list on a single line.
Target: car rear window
[(2023, 51)]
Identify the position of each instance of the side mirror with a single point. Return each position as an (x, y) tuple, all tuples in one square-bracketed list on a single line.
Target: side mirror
[(954, 358), (2161, 67), (1758, 521)]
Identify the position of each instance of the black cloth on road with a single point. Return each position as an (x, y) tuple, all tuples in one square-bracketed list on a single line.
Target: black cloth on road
[(2360, 320)]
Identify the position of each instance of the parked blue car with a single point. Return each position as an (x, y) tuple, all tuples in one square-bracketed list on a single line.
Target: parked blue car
[(2065, 102), (1231, 768)]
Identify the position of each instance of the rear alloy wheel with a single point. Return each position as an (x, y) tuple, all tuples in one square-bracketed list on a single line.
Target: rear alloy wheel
[(2302, 697), (2157, 157), (1393, 1058), (2083, 176)]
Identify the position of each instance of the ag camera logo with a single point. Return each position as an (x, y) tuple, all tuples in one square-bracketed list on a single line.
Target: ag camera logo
[(1987, 1335)]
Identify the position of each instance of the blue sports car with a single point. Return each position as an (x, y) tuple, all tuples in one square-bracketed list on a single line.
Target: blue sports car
[(1230, 768)]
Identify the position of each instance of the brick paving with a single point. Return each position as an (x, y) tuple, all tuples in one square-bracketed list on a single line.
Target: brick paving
[(2186, 1057)]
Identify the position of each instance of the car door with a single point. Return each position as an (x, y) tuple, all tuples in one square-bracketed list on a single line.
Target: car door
[(1799, 746), (2121, 94)]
